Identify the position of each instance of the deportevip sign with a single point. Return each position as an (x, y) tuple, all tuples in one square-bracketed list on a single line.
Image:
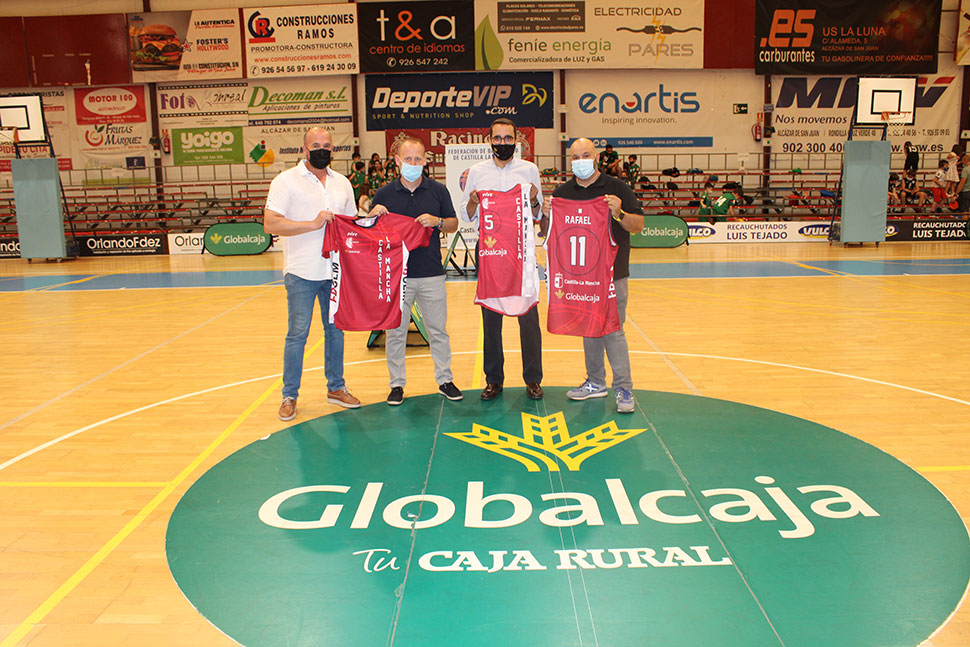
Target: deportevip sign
[(521, 523)]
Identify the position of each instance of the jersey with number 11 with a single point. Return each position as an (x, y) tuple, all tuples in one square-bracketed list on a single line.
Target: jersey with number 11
[(580, 252)]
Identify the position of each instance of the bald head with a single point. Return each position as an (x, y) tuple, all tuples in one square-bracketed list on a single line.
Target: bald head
[(582, 148), (317, 137)]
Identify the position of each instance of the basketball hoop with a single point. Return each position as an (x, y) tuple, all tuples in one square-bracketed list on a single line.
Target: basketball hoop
[(9, 136), (895, 117)]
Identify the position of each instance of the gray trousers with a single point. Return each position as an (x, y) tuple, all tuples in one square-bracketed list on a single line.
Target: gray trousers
[(431, 296), (614, 345)]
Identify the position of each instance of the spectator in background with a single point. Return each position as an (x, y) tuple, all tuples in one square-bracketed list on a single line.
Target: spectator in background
[(373, 158), (706, 198), (893, 197), (375, 178), (391, 172), (952, 172), (631, 171), (912, 158), (940, 195), (363, 202), (963, 187), (358, 179), (911, 193), (723, 206), (609, 161)]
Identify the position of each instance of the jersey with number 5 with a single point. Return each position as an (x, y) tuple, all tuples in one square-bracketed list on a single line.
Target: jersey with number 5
[(580, 252)]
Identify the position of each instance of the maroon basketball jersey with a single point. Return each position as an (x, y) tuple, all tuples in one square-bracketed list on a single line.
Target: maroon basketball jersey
[(370, 261), (502, 243), (579, 284)]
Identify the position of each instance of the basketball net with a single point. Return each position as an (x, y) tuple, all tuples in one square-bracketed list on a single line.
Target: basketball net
[(9, 136)]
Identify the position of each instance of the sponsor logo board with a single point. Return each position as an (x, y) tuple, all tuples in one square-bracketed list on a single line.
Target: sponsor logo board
[(434, 35), (311, 40), (237, 239), (121, 245)]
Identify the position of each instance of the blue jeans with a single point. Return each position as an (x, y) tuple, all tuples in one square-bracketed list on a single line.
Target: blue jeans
[(300, 295)]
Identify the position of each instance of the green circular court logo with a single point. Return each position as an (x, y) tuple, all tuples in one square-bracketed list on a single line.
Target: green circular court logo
[(521, 523)]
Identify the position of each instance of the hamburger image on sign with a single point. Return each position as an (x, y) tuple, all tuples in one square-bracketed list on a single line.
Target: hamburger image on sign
[(159, 48)]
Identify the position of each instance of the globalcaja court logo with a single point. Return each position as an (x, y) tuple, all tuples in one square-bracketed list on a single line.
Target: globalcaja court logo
[(694, 522)]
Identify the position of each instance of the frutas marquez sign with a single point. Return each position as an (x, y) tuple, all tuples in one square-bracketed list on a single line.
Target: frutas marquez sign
[(346, 524)]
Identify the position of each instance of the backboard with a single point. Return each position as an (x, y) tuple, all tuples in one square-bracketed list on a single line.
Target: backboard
[(26, 114), (886, 100)]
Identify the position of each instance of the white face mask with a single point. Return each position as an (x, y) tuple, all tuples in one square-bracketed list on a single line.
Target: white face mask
[(411, 172), (583, 168)]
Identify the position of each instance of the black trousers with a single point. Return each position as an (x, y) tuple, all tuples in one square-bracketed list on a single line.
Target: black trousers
[(530, 339)]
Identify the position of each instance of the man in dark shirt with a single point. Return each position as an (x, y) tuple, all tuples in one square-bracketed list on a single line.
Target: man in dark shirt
[(609, 161), (589, 183), (418, 196)]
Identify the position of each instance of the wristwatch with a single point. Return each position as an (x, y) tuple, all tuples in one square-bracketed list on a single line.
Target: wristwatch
[(441, 221), (619, 218)]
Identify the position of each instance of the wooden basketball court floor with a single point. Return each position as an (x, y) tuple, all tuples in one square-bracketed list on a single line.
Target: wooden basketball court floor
[(124, 379)]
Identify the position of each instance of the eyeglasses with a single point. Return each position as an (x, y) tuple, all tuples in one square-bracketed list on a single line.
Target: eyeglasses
[(498, 139)]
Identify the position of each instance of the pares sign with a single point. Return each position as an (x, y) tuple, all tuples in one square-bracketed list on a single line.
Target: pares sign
[(458, 100), (312, 40), (831, 36), (543, 35), (436, 35)]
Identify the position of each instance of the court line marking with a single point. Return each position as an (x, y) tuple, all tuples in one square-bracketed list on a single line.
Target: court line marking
[(127, 362), (83, 484), (147, 407), (81, 574)]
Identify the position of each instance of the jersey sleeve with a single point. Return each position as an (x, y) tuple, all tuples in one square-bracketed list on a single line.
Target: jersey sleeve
[(412, 233), (331, 237)]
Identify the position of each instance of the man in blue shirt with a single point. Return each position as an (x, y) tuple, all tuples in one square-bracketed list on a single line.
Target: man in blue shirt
[(417, 196)]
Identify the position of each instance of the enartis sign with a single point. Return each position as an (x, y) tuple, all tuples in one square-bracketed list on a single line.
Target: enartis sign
[(432, 523), (237, 239)]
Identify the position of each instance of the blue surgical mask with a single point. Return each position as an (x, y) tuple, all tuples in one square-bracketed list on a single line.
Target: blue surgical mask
[(411, 172), (583, 168)]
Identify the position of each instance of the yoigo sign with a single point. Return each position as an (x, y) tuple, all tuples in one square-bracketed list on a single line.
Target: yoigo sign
[(660, 231), (530, 524), (237, 239), (195, 146)]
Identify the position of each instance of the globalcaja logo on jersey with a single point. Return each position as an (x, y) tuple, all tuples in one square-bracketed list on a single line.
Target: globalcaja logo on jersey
[(260, 29), (659, 100)]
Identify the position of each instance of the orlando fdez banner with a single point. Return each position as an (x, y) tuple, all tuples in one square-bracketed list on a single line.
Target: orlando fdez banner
[(837, 37), (311, 40), (557, 34), (435, 35), (458, 100)]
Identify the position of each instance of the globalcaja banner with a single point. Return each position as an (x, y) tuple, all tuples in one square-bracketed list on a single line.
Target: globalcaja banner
[(837, 37), (812, 113), (210, 145), (458, 100), (433, 35), (558, 34), (665, 111), (311, 40), (184, 45), (237, 239), (121, 245)]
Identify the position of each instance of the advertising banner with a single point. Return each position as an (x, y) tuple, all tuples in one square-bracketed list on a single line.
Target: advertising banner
[(660, 231), (432, 35), (9, 248), (962, 50), (836, 37), (271, 114), (237, 239), (558, 34), (759, 232), (435, 140), (458, 100), (212, 145), (112, 127), (935, 230), (121, 244), (812, 113), (184, 45), (188, 243), (311, 40), (59, 116), (671, 110)]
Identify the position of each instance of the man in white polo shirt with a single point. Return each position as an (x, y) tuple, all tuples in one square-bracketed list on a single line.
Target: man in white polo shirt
[(300, 203)]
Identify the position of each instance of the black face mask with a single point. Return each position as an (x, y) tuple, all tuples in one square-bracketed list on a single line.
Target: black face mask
[(319, 158), (503, 151)]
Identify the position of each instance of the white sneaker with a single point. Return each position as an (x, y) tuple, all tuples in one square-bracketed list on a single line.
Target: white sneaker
[(587, 390)]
